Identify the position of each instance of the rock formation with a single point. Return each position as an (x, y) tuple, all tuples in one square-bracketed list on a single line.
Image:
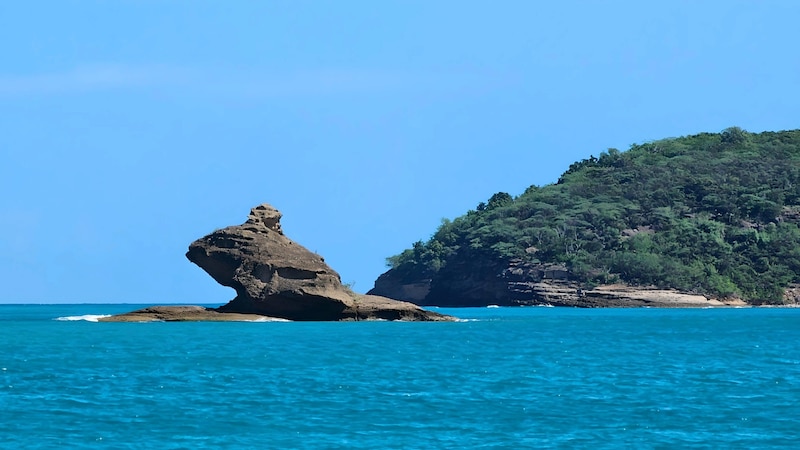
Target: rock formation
[(523, 284), (185, 314), (274, 276)]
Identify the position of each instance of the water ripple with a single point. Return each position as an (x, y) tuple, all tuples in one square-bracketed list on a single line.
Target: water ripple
[(532, 377)]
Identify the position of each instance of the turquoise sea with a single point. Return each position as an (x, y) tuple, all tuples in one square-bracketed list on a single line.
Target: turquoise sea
[(502, 378)]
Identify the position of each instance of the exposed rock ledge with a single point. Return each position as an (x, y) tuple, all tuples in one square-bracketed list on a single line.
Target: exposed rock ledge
[(519, 283), (275, 278), (618, 295), (185, 314)]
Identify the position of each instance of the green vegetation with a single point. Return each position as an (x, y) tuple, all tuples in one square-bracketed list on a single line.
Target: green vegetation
[(710, 213)]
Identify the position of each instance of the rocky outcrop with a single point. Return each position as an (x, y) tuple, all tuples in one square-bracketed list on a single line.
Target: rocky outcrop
[(276, 277), (374, 307), (394, 285), (271, 274), (476, 283), (616, 296), (522, 284), (185, 314), (791, 295)]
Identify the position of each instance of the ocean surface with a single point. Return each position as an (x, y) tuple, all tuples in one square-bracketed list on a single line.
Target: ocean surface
[(502, 378)]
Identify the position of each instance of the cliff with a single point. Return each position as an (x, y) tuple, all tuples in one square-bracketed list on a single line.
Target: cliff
[(523, 284)]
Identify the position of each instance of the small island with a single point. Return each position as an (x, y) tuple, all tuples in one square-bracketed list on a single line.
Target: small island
[(275, 279), (711, 219)]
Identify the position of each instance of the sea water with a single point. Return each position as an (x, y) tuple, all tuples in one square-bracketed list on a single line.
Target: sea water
[(501, 378)]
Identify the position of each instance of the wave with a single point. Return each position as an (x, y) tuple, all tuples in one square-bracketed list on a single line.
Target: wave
[(268, 319), (86, 317)]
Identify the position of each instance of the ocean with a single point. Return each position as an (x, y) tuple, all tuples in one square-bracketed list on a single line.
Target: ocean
[(502, 378)]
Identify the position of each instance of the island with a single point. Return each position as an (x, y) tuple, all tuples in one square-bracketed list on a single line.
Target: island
[(275, 279), (711, 219)]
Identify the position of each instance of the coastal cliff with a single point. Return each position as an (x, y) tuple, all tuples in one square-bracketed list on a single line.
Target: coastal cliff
[(538, 285)]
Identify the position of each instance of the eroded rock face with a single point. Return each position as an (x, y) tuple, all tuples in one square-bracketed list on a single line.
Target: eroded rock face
[(528, 284), (393, 285), (276, 277)]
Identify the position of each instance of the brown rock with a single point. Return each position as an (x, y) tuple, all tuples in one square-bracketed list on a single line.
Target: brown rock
[(374, 307), (184, 314), (616, 295), (791, 295), (276, 277)]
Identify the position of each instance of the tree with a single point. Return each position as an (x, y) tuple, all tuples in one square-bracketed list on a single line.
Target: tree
[(498, 200), (733, 135)]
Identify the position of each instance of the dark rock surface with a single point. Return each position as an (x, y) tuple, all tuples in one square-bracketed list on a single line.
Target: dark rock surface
[(479, 283), (184, 314), (521, 284), (373, 307), (393, 285)]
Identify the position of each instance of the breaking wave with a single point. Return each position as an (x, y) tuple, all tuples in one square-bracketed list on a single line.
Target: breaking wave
[(86, 317)]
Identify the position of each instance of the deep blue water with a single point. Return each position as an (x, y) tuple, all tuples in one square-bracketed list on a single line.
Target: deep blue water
[(506, 378)]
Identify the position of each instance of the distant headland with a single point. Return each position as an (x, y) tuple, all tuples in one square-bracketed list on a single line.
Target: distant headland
[(705, 220)]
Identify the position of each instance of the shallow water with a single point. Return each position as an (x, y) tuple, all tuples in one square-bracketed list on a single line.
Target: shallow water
[(503, 378)]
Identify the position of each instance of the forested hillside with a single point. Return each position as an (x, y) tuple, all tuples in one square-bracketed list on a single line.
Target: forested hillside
[(713, 213)]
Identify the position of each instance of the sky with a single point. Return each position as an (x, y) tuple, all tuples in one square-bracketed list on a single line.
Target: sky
[(130, 128)]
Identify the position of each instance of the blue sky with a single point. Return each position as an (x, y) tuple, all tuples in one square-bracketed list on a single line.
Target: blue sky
[(130, 128)]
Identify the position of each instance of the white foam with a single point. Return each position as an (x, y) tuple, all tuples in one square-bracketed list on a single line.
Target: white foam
[(268, 319), (86, 317), (493, 306)]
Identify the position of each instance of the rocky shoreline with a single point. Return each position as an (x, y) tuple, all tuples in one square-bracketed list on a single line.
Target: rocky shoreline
[(525, 284), (567, 294), (621, 296)]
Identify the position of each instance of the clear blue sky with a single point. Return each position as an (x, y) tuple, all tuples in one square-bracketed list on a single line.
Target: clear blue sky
[(129, 128)]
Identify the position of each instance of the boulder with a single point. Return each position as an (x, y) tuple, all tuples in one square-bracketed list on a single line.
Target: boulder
[(276, 277)]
